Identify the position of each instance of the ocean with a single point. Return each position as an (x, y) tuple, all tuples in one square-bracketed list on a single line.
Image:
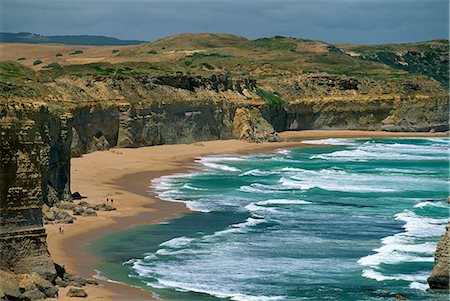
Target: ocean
[(343, 219)]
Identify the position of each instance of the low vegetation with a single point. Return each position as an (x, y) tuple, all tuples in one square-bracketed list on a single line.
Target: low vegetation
[(270, 97), (76, 52), (52, 65)]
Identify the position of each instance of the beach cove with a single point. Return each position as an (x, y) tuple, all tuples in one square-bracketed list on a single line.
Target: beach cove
[(126, 174)]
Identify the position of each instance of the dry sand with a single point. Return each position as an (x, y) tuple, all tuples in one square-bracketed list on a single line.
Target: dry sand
[(125, 176)]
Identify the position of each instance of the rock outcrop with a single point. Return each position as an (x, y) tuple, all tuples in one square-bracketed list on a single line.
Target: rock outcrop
[(249, 125), (440, 278)]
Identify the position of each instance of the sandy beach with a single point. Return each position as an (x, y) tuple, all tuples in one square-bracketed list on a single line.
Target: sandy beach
[(125, 175)]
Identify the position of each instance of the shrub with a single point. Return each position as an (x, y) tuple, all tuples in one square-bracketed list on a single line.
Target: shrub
[(270, 97), (21, 58), (76, 52), (58, 54), (188, 63), (199, 55), (52, 65), (37, 62), (115, 50), (207, 66), (152, 52)]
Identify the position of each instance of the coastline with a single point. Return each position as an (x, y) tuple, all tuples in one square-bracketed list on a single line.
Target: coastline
[(125, 176)]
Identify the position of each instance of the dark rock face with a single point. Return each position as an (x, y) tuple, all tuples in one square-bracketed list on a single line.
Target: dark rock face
[(439, 278), (26, 159)]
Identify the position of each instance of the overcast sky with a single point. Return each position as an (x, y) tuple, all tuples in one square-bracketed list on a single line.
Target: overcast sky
[(334, 21)]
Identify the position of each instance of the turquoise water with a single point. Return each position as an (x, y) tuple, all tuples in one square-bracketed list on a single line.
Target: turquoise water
[(342, 221)]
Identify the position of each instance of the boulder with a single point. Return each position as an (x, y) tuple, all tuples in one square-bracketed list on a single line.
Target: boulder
[(47, 214), (98, 143), (104, 207), (84, 211), (448, 199), (52, 196), (65, 205), (74, 280), (61, 283), (84, 204), (400, 297), (9, 285), (34, 294), (63, 217), (77, 292), (56, 215), (91, 281), (33, 281)]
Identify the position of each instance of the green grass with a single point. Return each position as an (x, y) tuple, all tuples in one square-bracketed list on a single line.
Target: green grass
[(270, 97)]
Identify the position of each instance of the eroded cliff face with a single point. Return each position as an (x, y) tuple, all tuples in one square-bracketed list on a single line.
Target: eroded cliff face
[(440, 277), (333, 102), (26, 161)]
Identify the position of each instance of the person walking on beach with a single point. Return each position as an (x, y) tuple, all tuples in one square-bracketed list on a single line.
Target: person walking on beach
[(62, 230), (112, 200), (107, 200)]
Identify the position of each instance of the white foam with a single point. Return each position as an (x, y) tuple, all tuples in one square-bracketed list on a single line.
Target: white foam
[(418, 285), (431, 204), (330, 184), (331, 141), (220, 166), (190, 187), (402, 171), (99, 276), (206, 289), (257, 173), (284, 151), (255, 207), (177, 242), (418, 226), (240, 227), (380, 151), (402, 247), (283, 202), (372, 274), (261, 188)]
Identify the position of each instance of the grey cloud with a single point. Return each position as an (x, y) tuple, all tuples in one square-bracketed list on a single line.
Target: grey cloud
[(336, 21)]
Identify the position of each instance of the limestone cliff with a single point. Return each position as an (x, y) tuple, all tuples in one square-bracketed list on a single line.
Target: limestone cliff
[(440, 278), (249, 125), (26, 161), (339, 102)]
